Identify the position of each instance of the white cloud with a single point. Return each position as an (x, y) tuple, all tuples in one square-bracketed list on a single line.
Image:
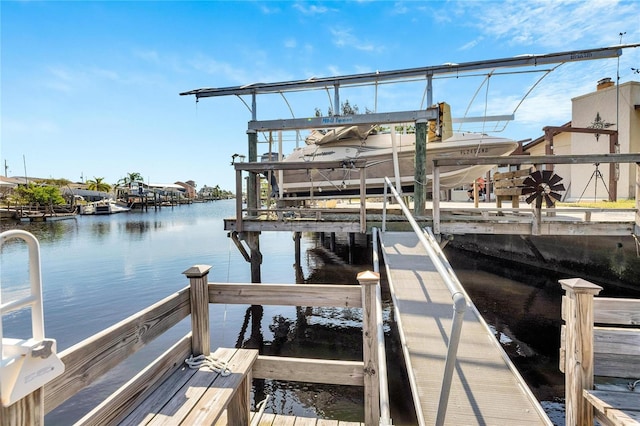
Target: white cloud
[(290, 43), (399, 8), (344, 38), (67, 80), (60, 79), (470, 45), (556, 24), (220, 69), (310, 9), (269, 10)]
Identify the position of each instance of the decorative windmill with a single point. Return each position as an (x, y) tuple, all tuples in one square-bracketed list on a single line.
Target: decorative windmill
[(542, 184)]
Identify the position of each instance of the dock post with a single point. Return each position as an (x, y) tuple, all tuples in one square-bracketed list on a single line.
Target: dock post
[(420, 174), (614, 168), (253, 241), (363, 200), (369, 281), (352, 246), (30, 407), (332, 242), (637, 199), (199, 299), (436, 200), (577, 311), (252, 188), (296, 241)]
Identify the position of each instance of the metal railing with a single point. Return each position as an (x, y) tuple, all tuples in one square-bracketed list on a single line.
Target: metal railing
[(450, 279), (385, 414)]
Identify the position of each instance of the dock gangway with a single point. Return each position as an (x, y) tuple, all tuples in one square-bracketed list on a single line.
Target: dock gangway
[(458, 372)]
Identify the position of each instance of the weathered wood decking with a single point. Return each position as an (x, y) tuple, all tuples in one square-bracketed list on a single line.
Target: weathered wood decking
[(486, 388), (268, 419)]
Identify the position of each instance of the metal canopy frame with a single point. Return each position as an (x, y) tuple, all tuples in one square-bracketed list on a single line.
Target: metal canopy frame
[(378, 77), (421, 72)]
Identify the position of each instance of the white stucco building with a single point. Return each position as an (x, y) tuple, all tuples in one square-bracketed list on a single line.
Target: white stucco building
[(598, 109)]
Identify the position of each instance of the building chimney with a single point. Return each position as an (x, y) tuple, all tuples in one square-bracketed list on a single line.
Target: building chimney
[(604, 83)]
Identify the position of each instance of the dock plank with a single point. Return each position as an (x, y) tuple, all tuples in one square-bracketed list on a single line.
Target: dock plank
[(486, 389)]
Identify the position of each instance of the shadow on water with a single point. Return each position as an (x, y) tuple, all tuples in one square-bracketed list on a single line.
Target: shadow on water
[(522, 302), (324, 333)]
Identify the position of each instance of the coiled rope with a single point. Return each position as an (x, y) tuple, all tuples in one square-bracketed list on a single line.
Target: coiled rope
[(210, 362)]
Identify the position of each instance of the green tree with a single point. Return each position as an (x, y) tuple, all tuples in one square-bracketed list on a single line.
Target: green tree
[(130, 178), (41, 194), (98, 184)]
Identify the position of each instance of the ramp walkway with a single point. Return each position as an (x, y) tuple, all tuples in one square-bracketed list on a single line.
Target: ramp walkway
[(486, 389)]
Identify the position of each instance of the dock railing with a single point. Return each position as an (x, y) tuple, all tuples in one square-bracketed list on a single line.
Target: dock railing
[(86, 361), (255, 169), (538, 161), (450, 279)]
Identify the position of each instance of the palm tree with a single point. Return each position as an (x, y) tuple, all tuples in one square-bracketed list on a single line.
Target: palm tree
[(130, 178), (98, 184)]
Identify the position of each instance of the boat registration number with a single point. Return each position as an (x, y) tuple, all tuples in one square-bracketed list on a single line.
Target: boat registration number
[(473, 151)]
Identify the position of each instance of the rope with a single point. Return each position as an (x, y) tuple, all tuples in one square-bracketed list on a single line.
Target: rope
[(260, 406), (210, 362)]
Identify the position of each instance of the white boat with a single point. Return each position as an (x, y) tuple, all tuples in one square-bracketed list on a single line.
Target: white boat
[(378, 149), (109, 206)]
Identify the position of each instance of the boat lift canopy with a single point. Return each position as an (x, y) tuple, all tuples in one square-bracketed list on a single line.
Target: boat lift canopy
[(428, 72)]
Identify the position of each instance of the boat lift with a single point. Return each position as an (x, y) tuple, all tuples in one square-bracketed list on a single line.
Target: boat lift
[(26, 364)]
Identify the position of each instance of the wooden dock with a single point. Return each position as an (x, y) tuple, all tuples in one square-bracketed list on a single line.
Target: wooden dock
[(486, 388)]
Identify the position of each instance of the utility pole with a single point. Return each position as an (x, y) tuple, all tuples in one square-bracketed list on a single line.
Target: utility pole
[(5, 168)]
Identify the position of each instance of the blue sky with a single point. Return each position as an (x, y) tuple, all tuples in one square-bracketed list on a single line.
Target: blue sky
[(91, 88)]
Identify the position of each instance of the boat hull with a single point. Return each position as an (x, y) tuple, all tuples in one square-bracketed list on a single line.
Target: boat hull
[(379, 164)]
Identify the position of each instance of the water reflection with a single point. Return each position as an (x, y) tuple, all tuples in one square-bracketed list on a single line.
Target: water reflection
[(254, 316), (45, 232), (100, 229)]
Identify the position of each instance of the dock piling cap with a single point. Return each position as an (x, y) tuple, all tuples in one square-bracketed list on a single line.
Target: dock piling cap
[(197, 271), (366, 277), (579, 285)]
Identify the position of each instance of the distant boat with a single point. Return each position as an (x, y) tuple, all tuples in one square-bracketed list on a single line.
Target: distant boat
[(103, 207), (356, 142)]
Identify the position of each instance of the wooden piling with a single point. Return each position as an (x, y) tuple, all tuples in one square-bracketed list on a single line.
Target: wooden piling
[(578, 366), (420, 173), (370, 283), (199, 296), (352, 246), (26, 411), (296, 241), (252, 199)]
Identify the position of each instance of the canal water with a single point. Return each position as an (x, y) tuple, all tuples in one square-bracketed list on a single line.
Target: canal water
[(98, 270)]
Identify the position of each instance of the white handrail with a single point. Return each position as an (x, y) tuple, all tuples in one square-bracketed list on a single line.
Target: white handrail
[(385, 413), (26, 364), (450, 279), (35, 298)]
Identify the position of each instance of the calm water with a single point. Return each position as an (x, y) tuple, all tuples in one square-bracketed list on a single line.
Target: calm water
[(98, 270)]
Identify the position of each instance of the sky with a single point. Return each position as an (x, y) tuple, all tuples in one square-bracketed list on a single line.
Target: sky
[(90, 89)]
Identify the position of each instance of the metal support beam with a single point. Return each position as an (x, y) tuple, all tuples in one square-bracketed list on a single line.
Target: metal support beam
[(347, 120), (539, 159)]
